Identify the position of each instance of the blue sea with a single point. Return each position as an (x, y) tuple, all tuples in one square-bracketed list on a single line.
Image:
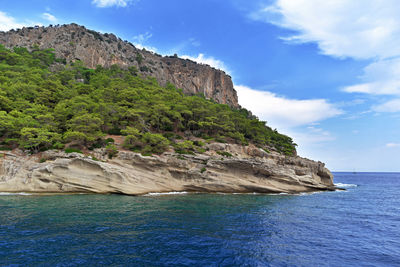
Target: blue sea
[(356, 227)]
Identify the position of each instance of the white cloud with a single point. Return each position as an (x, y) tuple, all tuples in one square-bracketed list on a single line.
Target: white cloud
[(341, 28), (389, 106), (283, 112), (392, 145), (194, 42), (215, 63), (49, 17), (368, 30), (142, 38), (380, 78), (110, 3), (148, 48), (7, 22), (139, 41)]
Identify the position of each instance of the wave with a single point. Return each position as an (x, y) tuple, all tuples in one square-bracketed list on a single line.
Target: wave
[(166, 193), (340, 185), (14, 194)]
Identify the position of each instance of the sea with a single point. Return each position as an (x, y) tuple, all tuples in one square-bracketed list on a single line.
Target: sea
[(356, 227)]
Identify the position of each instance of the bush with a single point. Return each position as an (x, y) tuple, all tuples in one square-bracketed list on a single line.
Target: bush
[(42, 160), (58, 145), (203, 169), (111, 150), (109, 140), (185, 147), (198, 143), (224, 153), (154, 143), (72, 150)]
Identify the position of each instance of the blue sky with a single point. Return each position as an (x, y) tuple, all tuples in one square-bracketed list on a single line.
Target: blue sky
[(326, 73)]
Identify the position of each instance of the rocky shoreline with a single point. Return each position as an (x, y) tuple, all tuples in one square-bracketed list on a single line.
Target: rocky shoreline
[(247, 169)]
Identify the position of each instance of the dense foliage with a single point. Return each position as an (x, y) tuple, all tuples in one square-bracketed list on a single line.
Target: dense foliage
[(45, 104)]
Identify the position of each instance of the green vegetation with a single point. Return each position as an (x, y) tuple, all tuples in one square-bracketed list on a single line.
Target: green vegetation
[(111, 150), (72, 150), (42, 109), (224, 153)]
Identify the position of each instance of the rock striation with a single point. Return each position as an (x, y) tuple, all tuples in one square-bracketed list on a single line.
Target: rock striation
[(74, 42), (248, 170)]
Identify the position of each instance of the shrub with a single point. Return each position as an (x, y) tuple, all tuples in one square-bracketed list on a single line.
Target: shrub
[(154, 143), (203, 169), (58, 145), (185, 147), (72, 150), (224, 153), (111, 150), (42, 160), (198, 143), (109, 140)]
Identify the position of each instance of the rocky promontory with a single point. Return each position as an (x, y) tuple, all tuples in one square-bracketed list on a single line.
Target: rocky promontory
[(247, 169)]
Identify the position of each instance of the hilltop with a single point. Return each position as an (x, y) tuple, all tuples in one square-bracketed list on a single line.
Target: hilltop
[(74, 42)]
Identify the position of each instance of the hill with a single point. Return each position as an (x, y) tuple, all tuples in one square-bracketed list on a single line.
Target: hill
[(74, 42), (45, 104)]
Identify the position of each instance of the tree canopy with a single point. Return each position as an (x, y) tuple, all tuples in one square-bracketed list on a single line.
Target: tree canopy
[(45, 103)]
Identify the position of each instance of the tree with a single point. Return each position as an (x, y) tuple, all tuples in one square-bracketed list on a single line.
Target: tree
[(86, 127), (35, 139)]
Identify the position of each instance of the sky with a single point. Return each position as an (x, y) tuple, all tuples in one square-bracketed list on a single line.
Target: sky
[(326, 73)]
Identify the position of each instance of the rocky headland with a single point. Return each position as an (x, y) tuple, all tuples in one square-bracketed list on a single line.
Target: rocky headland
[(249, 169), (69, 108)]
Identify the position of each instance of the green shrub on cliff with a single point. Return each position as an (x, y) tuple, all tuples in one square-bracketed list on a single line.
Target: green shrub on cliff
[(42, 108)]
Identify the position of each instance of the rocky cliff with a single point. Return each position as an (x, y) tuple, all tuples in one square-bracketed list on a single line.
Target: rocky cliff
[(248, 170), (75, 42)]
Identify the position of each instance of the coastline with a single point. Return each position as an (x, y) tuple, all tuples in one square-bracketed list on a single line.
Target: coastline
[(248, 170)]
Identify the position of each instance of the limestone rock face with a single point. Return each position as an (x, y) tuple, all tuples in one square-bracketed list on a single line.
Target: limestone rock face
[(133, 174), (92, 48)]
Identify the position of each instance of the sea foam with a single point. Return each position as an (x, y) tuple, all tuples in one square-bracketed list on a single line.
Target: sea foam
[(14, 194), (340, 185), (166, 193)]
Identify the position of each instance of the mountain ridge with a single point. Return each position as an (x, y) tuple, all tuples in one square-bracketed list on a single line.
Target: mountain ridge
[(75, 42)]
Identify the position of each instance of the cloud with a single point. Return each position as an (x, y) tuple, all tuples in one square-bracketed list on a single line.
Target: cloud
[(362, 30), (341, 28), (392, 145), (49, 17), (202, 59), (110, 3), (7, 22), (142, 38), (139, 41), (284, 112), (194, 42), (146, 47), (389, 106), (380, 78)]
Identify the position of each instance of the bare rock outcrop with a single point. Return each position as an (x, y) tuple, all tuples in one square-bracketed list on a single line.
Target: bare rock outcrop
[(133, 174), (74, 42)]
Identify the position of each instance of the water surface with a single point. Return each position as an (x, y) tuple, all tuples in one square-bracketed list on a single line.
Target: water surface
[(360, 226)]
